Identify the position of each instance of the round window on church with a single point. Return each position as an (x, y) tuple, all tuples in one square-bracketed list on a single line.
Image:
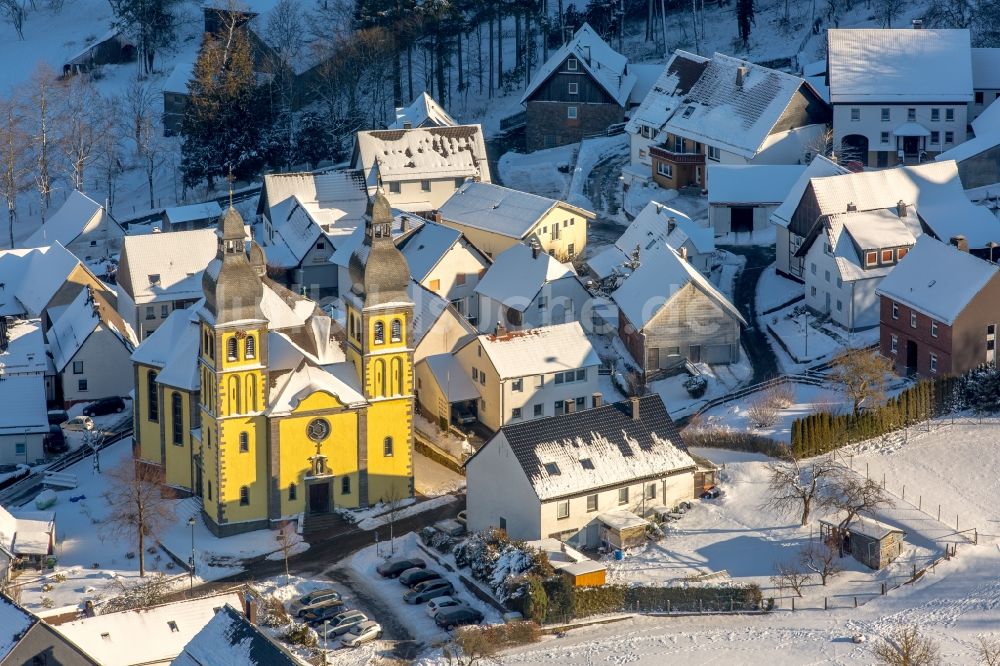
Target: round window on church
[(318, 430)]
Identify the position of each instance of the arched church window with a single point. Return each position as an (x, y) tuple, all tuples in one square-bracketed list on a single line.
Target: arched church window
[(396, 330), (379, 333), (251, 347), (231, 349)]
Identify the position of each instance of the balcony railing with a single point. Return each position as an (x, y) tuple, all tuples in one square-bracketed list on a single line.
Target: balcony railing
[(677, 158)]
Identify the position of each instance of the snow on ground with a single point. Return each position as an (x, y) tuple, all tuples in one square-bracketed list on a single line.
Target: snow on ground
[(593, 151), (725, 267), (538, 172), (774, 290), (446, 440), (765, 236), (807, 399), (809, 339), (432, 479), (722, 379), (405, 512)]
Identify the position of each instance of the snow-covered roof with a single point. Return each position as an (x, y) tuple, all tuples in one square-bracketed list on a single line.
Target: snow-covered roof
[(209, 210), (596, 448), (937, 279), (621, 519), (820, 166), (607, 67), (303, 205), (78, 214), (646, 76), (987, 122), (934, 188), (428, 308), (14, 624), (337, 379), (758, 184), (851, 234), (986, 68), (675, 80), (403, 223), (422, 153), (519, 273), (162, 631), (733, 113), (425, 247), (863, 525), (899, 65), (229, 639), (32, 277), (501, 210), (169, 339), (166, 266), (23, 400), (539, 351), (815, 74), (987, 136), (423, 111), (297, 233), (453, 381), (81, 318), (25, 353), (26, 532), (660, 276), (178, 80)]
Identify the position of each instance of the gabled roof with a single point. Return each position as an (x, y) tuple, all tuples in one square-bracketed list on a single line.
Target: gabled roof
[(79, 213), (619, 448), (229, 639), (820, 166), (209, 210), (335, 200), (899, 65), (403, 224), (751, 183), (30, 278), (850, 235), (338, 379), (451, 378), (660, 276), (421, 153), (25, 353), (986, 69), (681, 72), (425, 246), (937, 279), (605, 65), (539, 351), (863, 525), (166, 265), (501, 210), (162, 631), (14, 624), (428, 308), (297, 233), (179, 77), (423, 111), (23, 400), (81, 318), (518, 274), (987, 130), (170, 339)]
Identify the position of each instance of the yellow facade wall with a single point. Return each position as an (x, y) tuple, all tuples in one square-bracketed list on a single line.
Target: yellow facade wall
[(389, 476), (239, 469), (146, 432), (177, 457)]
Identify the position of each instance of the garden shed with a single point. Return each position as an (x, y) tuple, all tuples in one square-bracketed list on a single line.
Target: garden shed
[(568, 561), (873, 543), (622, 529)]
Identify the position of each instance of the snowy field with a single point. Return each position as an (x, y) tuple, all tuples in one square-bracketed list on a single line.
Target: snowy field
[(539, 172)]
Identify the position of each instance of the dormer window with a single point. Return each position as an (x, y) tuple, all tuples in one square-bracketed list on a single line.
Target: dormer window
[(900, 253), (688, 111), (871, 258), (154, 279), (887, 256)]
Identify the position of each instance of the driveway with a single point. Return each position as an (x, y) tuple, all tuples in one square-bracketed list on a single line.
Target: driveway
[(762, 358)]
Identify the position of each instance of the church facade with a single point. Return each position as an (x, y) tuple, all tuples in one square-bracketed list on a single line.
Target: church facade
[(256, 401)]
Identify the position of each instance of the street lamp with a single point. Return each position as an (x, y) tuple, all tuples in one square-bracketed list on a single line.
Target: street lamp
[(191, 561)]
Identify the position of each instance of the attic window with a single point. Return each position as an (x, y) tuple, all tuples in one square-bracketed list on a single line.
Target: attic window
[(173, 626), (106, 636), (572, 64), (587, 463), (552, 469), (154, 278), (688, 111)]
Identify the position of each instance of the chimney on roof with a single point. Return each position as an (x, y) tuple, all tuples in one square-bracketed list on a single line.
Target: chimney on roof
[(671, 224), (536, 247), (407, 125), (741, 75), (960, 242), (596, 400), (683, 252), (250, 607), (569, 406), (404, 223), (918, 24), (851, 207), (586, 54), (634, 404), (501, 330), (437, 216), (4, 335), (901, 208)]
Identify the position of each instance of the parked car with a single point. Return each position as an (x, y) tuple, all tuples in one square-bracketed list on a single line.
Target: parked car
[(451, 527), (434, 606), (411, 577), (362, 633), (79, 424), (392, 568), (341, 623), (714, 492), (449, 618), (429, 589), (314, 599), (318, 614), (112, 405), (57, 416), (463, 415), (55, 441)]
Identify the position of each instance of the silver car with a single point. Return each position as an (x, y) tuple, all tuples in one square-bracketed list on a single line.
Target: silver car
[(342, 623), (313, 600), (439, 603)]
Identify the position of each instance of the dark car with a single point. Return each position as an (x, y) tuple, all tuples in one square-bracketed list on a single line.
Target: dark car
[(55, 441), (411, 577), (449, 618), (429, 589), (57, 416), (317, 615), (392, 568), (112, 405), (714, 492)]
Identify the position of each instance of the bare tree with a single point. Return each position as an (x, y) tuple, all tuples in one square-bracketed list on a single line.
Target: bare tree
[(108, 153), (906, 647), (470, 648), (15, 146), (14, 9), (795, 487), (862, 374), (80, 124), (145, 131), (41, 97), (762, 413), (394, 503), (139, 509), (140, 594), (822, 559), (789, 576), (989, 651), (887, 11), (288, 538), (852, 496)]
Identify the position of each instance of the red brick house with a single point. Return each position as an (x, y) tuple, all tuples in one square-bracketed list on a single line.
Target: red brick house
[(939, 310)]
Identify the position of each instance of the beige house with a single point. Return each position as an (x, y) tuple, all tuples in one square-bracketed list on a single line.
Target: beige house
[(494, 218), (83, 227), (525, 375), (571, 476)]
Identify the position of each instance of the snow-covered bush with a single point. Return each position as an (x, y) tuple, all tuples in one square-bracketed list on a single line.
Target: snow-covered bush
[(696, 386), (272, 612), (436, 539), (500, 562), (300, 634)]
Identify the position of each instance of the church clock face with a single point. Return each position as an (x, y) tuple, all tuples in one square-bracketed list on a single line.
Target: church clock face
[(318, 430)]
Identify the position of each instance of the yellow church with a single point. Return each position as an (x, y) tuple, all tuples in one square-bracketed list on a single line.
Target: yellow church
[(258, 402)]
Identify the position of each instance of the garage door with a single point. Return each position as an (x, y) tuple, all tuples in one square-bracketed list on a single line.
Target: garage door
[(741, 218), (717, 353)]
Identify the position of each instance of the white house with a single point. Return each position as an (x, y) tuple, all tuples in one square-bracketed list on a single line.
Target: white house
[(83, 227), (24, 388), (420, 168), (444, 261), (985, 80), (846, 258), (741, 198), (424, 111), (654, 225), (495, 218), (91, 347), (557, 477), (898, 95), (527, 288), (523, 375), (721, 110)]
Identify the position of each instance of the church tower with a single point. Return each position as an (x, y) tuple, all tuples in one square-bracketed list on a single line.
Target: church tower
[(380, 345), (233, 368)]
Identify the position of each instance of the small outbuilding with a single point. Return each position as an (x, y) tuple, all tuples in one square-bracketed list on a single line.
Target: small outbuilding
[(622, 529), (741, 198), (873, 543), (568, 561), (191, 216)]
